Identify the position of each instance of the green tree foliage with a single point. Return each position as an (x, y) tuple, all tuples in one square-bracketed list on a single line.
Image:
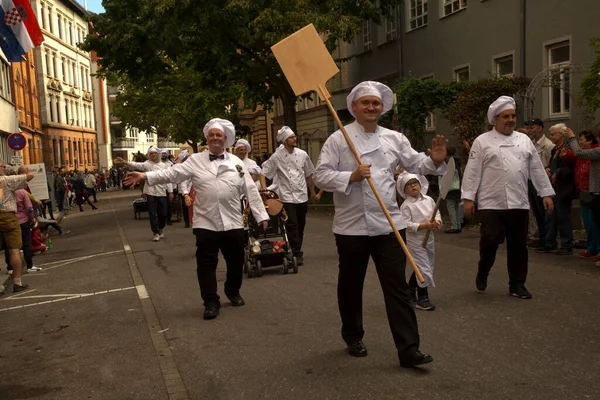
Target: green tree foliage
[(589, 97), (417, 98), (468, 113), (227, 41)]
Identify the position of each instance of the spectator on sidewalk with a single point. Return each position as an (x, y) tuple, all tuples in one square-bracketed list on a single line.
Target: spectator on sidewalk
[(38, 239), (587, 140), (10, 230), (90, 185), (453, 203), (543, 147), (26, 218), (60, 189), (561, 171)]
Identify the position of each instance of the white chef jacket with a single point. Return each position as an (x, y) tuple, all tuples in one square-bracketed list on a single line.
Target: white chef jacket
[(415, 212), (544, 148), (498, 169), (248, 162), (357, 212), (291, 170), (157, 190), (185, 187), (218, 185)]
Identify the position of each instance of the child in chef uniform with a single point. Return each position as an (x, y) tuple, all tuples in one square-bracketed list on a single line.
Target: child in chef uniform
[(416, 211)]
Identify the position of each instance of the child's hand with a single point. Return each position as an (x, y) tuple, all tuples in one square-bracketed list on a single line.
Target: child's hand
[(438, 225), (429, 225)]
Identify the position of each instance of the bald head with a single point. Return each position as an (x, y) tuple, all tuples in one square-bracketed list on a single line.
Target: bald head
[(23, 169)]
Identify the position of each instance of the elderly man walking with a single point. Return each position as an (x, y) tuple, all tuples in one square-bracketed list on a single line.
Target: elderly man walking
[(156, 194), (500, 163), (10, 229), (360, 226), (292, 168), (219, 179)]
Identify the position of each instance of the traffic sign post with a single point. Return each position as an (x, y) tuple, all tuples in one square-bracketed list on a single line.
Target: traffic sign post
[(17, 141)]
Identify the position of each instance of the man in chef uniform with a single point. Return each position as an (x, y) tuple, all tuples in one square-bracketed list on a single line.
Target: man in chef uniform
[(292, 170), (500, 163), (360, 226), (219, 179)]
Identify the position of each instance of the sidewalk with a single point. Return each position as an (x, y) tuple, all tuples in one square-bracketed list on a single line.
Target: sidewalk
[(285, 343)]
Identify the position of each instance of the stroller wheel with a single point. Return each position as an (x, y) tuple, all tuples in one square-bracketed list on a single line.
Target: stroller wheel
[(295, 265), (285, 266), (248, 268), (258, 269)]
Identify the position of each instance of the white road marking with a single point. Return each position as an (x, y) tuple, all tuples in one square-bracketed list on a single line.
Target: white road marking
[(127, 248), (69, 297), (142, 292), (20, 294), (60, 263)]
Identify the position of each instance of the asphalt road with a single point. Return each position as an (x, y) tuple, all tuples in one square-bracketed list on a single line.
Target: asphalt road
[(114, 315)]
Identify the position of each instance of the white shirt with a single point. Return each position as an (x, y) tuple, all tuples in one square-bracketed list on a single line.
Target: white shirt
[(218, 185), (291, 170), (185, 186), (248, 162), (544, 148), (418, 211), (357, 211), (158, 190), (498, 169)]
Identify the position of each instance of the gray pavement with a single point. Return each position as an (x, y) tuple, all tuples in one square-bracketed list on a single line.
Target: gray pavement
[(102, 338)]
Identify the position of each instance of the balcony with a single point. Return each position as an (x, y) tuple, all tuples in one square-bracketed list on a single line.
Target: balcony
[(123, 143), (167, 144)]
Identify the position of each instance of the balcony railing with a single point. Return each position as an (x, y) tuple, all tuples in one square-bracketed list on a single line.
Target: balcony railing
[(123, 143), (167, 144)]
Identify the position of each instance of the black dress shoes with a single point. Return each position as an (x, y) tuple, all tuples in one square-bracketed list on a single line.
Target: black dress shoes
[(211, 311), (236, 300), (481, 282), (357, 349), (414, 358)]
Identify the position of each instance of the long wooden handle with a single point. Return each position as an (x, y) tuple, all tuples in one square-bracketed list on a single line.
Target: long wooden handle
[(435, 210), (324, 94)]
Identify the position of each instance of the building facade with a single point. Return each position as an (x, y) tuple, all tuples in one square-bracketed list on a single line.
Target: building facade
[(27, 103), (8, 117), (65, 86)]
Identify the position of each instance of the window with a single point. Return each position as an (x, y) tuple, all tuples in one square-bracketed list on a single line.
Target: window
[(461, 74), (67, 114), (430, 120), (47, 57), (417, 14), (59, 21), (5, 91), (503, 66), (367, 36), (64, 70), (50, 109), (74, 74), (70, 37), (54, 65), (57, 109), (83, 80), (42, 16), (559, 57), (390, 26), (133, 133), (452, 6)]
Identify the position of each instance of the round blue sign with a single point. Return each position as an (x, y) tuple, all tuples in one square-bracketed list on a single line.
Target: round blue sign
[(17, 141)]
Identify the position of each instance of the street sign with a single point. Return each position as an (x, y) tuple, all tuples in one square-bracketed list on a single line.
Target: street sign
[(16, 160), (17, 141)]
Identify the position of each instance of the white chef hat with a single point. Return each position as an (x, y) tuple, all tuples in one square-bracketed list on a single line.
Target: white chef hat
[(403, 179), (501, 104), (152, 149), (184, 153), (284, 133), (371, 88), (243, 142), (254, 169), (224, 126)]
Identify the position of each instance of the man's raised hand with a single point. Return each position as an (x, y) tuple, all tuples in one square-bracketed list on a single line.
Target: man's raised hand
[(119, 160), (438, 151), (134, 177)]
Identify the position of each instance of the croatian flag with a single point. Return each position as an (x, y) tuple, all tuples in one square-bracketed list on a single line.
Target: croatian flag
[(19, 29)]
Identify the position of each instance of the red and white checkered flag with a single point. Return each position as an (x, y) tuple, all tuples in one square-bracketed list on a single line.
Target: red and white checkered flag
[(13, 17)]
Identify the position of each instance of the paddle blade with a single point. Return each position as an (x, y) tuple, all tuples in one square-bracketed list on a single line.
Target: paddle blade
[(305, 60)]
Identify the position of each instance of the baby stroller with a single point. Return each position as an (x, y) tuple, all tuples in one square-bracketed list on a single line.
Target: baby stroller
[(268, 248)]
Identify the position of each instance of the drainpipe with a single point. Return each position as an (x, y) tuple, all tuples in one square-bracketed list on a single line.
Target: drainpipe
[(523, 56), (400, 43)]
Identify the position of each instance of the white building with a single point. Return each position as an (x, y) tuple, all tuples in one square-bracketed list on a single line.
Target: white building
[(65, 86)]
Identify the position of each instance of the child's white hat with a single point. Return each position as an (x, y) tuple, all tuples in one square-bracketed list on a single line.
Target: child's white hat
[(403, 179)]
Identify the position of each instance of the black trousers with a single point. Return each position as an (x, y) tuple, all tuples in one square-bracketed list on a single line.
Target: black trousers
[(157, 210), (208, 244), (390, 261), (295, 225), (537, 207), (497, 225), (184, 210)]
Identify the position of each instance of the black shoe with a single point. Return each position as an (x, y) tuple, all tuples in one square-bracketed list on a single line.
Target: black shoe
[(453, 231), (412, 295), (564, 251), (415, 358), (299, 259), (187, 225), (545, 250), (236, 300), (211, 311), (357, 349), (169, 223), (519, 290), (20, 288), (481, 282)]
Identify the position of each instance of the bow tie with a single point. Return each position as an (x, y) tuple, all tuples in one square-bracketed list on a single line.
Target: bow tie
[(212, 157)]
